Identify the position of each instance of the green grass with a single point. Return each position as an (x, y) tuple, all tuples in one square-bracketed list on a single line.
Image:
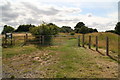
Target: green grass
[(72, 61), (17, 50)]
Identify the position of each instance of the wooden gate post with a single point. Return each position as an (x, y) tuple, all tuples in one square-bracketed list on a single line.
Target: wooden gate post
[(96, 43), (89, 42), (78, 40), (83, 38), (107, 46)]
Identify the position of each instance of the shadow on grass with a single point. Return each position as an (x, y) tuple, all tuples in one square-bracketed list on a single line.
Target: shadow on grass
[(98, 52), (113, 58), (101, 53), (107, 55)]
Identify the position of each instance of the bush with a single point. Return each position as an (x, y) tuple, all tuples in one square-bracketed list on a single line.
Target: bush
[(46, 30), (72, 33)]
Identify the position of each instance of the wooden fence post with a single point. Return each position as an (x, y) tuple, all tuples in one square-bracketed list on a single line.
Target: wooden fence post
[(107, 46), (96, 43), (11, 39), (43, 40), (78, 40), (83, 38), (89, 42)]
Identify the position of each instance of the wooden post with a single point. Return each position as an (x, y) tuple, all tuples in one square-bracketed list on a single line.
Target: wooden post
[(96, 43), (43, 40), (78, 40), (11, 39), (107, 46), (89, 42), (83, 38)]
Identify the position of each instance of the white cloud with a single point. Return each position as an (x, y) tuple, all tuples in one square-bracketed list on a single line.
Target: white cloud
[(27, 12)]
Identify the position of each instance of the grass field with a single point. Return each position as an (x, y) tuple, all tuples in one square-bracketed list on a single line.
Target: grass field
[(57, 61)]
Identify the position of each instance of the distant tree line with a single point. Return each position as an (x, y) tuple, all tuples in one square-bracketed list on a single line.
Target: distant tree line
[(79, 28)]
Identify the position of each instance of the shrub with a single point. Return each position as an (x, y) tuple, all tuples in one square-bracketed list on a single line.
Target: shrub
[(46, 30), (72, 33)]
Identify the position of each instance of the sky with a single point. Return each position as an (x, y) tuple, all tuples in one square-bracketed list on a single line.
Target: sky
[(99, 14)]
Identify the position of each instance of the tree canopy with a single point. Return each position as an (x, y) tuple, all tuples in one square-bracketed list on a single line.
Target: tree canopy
[(81, 28), (45, 30), (66, 29), (7, 29), (24, 28), (117, 28)]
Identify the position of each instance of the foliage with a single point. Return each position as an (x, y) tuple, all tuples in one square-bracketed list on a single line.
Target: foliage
[(24, 28), (112, 31), (72, 33), (78, 26), (46, 30), (66, 29), (117, 28), (81, 28), (7, 29)]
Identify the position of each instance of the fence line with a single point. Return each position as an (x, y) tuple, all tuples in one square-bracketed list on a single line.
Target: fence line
[(42, 40), (96, 43)]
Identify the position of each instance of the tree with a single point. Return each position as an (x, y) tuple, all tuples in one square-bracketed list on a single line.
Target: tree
[(24, 28), (78, 26), (66, 29), (117, 28), (7, 29), (46, 30), (95, 30), (81, 28)]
